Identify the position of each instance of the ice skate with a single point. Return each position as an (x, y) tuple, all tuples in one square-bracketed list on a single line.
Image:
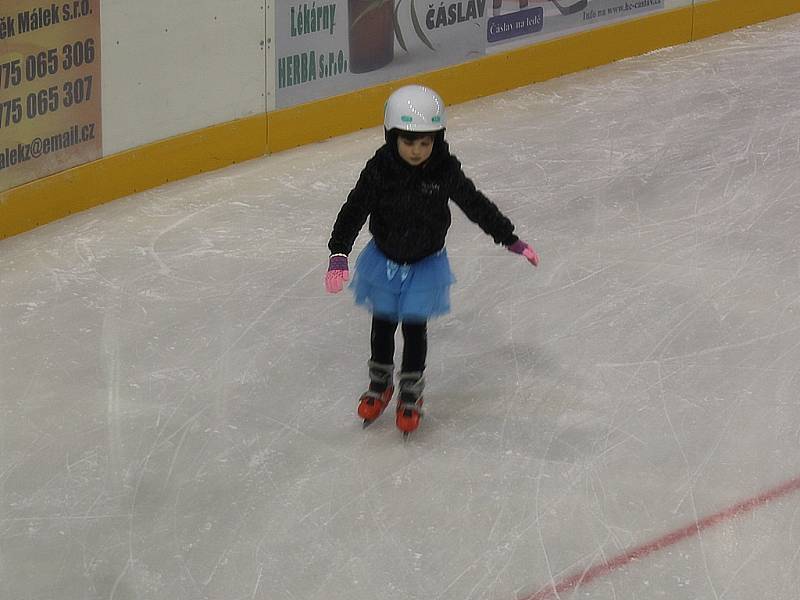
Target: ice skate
[(375, 400), (409, 404), (372, 404)]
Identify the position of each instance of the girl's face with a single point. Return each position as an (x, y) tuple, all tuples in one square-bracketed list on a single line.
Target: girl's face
[(415, 152)]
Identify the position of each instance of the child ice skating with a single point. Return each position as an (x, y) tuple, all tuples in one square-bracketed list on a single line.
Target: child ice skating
[(403, 274)]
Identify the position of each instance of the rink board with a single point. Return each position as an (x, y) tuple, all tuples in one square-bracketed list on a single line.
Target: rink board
[(489, 75), (50, 198), (59, 195), (718, 16)]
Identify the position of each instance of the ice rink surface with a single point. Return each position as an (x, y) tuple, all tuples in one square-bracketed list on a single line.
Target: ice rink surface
[(178, 392)]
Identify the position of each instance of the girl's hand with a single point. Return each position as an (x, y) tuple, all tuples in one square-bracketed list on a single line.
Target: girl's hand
[(337, 274), (520, 247)]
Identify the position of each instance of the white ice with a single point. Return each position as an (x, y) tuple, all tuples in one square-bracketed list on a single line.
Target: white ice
[(178, 392)]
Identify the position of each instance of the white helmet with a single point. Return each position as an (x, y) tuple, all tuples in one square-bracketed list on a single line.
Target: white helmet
[(414, 108)]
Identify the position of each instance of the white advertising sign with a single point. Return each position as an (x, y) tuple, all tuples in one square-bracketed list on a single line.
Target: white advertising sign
[(325, 49), (523, 22)]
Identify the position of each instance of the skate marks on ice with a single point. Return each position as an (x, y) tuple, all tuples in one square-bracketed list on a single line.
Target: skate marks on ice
[(608, 566), (179, 393)]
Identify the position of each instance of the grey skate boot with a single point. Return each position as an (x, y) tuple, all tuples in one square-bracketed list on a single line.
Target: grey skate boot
[(375, 400), (409, 404)]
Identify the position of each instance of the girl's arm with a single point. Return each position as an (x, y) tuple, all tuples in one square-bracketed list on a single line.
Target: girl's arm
[(478, 208), (353, 214)]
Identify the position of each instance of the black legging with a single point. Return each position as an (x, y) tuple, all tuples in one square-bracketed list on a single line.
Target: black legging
[(415, 343)]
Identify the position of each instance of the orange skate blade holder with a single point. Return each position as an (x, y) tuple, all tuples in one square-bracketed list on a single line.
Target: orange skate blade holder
[(408, 417), (372, 405)]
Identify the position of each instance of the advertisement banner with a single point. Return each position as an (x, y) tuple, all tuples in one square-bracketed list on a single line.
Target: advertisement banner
[(324, 49), (526, 21), (50, 110)]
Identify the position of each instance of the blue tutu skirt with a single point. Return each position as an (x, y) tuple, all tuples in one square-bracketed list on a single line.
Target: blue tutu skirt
[(402, 292)]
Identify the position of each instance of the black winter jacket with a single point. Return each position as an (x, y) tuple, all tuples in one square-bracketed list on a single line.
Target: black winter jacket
[(408, 206)]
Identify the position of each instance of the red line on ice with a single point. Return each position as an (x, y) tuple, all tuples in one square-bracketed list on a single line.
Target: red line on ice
[(604, 568)]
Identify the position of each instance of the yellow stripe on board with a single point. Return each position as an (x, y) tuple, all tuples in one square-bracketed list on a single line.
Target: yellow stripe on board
[(718, 16), (61, 194)]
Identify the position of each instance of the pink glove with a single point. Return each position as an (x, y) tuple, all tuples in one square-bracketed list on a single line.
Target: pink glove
[(337, 274), (520, 247)]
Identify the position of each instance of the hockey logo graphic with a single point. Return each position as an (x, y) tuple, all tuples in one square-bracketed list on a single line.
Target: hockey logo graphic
[(567, 7), (417, 28), (376, 24)]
